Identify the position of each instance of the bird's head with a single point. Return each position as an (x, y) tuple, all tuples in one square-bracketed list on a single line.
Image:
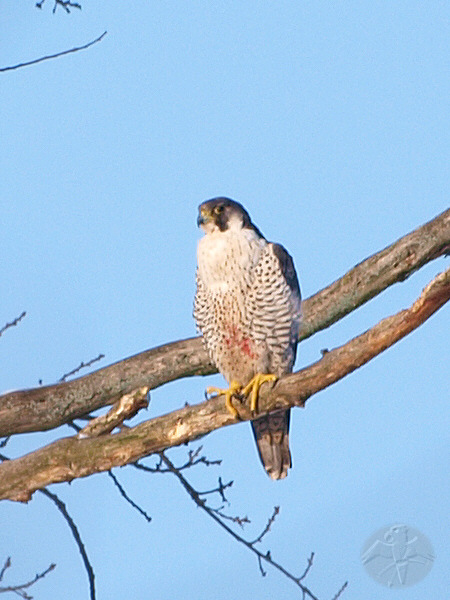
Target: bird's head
[(222, 214)]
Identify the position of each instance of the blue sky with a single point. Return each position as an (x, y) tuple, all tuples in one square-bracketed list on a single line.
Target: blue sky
[(330, 123)]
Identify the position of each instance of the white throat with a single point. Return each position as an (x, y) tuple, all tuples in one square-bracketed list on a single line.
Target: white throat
[(221, 253)]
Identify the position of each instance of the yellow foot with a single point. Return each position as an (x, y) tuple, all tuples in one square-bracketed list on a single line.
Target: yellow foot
[(254, 385), (234, 388)]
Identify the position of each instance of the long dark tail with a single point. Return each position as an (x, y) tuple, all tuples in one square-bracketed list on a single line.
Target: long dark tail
[(272, 439)]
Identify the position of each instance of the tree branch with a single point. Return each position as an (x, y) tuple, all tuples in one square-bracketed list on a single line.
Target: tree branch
[(65, 4), (82, 365), (50, 56), (124, 495), (76, 535), (47, 407), (261, 556), (5, 567), (13, 323), (70, 458)]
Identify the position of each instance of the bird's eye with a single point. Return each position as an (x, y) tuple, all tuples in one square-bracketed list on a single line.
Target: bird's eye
[(218, 209)]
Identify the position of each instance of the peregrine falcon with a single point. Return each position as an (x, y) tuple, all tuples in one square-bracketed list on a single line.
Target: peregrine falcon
[(248, 306)]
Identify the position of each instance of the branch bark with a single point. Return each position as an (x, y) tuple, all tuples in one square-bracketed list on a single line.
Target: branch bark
[(47, 407), (70, 458)]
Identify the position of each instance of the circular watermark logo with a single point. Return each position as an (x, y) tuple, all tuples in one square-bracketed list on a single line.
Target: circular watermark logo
[(397, 556)]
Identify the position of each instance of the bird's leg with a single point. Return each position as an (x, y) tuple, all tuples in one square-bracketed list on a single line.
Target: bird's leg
[(253, 386), (234, 388)]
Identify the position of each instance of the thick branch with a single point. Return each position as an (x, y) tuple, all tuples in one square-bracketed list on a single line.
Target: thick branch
[(48, 407), (70, 458)]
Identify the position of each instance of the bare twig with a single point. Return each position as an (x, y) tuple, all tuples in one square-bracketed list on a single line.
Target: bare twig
[(266, 529), (82, 365), (261, 569), (308, 567), (155, 469), (261, 556), (65, 4), (5, 567), (20, 589), (127, 498), (340, 592), (220, 489), (50, 56), (241, 521), (13, 323), (76, 534), (192, 461)]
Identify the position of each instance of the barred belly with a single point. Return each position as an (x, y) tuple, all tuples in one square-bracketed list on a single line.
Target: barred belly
[(229, 340)]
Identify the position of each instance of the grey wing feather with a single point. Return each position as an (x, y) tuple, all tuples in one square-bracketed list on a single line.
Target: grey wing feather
[(287, 268), (277, 315), (274, 309)]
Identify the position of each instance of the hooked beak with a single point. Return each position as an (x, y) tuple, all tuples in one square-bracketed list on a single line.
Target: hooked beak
[(203, 217)]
